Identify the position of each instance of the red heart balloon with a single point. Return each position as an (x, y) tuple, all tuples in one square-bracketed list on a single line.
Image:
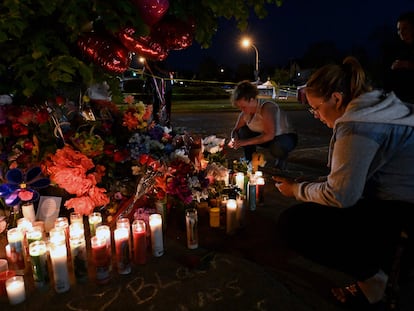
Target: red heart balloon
[(151, 11), (105, 52), (144, 46), (174, 34)]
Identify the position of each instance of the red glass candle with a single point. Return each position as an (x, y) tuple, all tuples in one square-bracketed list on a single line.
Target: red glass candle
[(139, 236), (101, 260)]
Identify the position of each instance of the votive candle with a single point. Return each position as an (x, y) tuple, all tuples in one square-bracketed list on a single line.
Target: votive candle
[(240, 181), (104, 232), (38, 259), (215, 217), (77, 244), (122, 251), (3, 265), (157, 244), (29, 212), (75, 217), (15, 250), (139, 236), (58, 256), (231, 209), (95, 220), (191, 219), (15, 289), (35, 234), (101, 260)]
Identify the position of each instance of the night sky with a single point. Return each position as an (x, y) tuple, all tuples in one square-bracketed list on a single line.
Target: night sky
[(287, 32)]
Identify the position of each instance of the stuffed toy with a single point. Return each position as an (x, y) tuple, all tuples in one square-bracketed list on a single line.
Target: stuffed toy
[(258, 159)]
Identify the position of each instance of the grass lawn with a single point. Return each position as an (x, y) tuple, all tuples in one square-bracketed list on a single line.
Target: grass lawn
[(212, 105)]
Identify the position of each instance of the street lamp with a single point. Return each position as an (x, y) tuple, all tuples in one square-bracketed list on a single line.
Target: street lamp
[(246, 43)]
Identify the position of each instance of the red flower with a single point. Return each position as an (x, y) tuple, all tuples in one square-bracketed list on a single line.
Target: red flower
[(19, 129)]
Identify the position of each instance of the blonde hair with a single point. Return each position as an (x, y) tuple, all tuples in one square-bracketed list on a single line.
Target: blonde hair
[(348, 78)]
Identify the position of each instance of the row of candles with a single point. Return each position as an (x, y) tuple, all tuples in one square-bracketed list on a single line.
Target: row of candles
[(28, 247), (66, 243)]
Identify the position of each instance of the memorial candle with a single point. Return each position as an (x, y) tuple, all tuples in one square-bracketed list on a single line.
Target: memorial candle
[(15, 250), (191, 219), (78, 253), (15, 290), (35, 234), (3, 265), (240, 181), (101, 260), (139, 237), (38, 259), (155, 222), (76, 217), (123, 259), (260, 182), (59, 258), (63, 222), (231, 209), (104, 232), (241, 211), (29, 212), (95, 220)]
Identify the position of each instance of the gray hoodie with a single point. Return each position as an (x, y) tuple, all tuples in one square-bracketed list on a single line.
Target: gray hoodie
[(371, 154)]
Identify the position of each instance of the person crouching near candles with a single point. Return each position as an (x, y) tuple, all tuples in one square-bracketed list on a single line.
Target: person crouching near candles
[(352, 221), (262, 123)]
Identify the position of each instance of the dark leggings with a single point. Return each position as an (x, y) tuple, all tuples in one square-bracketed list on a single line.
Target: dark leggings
[(279, 146), (357, 240)]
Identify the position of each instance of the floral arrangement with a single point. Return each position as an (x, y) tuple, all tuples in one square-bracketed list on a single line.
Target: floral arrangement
[(103, 157), (137, 116), (71, 170)]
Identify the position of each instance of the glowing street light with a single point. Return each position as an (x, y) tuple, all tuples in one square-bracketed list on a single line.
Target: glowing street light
[(247, 43)]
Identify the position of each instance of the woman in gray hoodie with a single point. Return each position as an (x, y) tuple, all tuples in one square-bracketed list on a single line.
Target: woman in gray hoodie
[(352, 220)]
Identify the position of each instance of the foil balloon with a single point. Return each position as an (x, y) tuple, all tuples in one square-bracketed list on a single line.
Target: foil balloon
[(173, 34), (144, 46), (151, 11), (105, 52)]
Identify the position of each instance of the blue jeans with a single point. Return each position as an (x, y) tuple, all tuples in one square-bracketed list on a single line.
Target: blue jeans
[(279, 146)]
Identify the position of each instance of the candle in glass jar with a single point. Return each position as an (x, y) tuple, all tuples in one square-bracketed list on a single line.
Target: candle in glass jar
[(104, 232), (157, 244), (122, 252), (38, 259), (260, 182), (35, 234), (76, 217), (24, 225), (139, 236), (95, 220), (215, 217), (241, 211), (240, 181), (191, 219), (3, 265), (124, 222), (15, 290), (78, 253), (15, 250), (29, 212), (101, 260), (57, 235), (231, 209), (63, 222), (59, 258)]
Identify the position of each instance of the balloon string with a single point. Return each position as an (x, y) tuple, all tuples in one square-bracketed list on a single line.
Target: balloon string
[(159, 93)]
